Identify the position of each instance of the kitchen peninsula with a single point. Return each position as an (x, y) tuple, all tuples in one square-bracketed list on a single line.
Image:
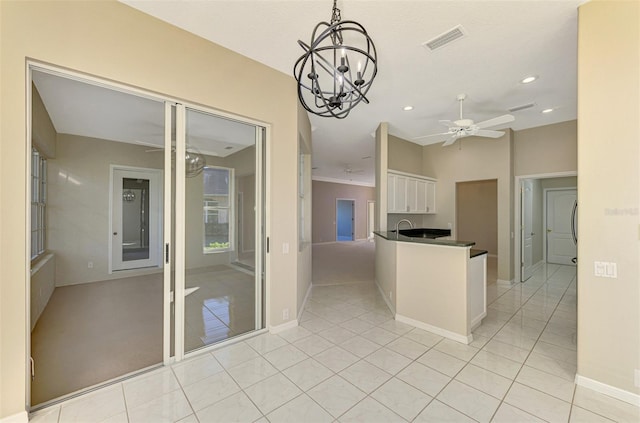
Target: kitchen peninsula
[(432, 283)]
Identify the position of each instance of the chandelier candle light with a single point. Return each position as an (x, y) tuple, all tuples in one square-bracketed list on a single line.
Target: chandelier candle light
[(328, 60)]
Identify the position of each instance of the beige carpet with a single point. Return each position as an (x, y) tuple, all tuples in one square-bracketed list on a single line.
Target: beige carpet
[(94, 332), (343, 262)]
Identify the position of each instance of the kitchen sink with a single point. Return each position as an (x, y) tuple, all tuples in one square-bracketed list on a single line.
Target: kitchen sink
[(425, 233)]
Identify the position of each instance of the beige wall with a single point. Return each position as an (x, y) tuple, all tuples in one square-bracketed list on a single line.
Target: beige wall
[(78, 209), (469, 163), (477, 213), (324, 208), (116, 42), (546, 149), (608, 191), (438, 296), (405, 156), (386, 265), (382, 157)]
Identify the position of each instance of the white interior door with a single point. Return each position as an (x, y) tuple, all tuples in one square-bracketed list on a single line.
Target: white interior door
[(560, 246), (136, 218), (527, 230)]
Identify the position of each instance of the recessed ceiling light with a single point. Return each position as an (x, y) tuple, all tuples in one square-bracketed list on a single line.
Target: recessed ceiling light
[(529, 79), (407, 108), (547, 111)]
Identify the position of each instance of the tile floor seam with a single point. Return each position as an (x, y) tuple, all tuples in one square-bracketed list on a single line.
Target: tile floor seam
[(124, 398), (491, 338), (513, 381)]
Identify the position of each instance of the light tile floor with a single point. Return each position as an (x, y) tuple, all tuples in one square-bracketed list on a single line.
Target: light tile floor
[(349, 361)]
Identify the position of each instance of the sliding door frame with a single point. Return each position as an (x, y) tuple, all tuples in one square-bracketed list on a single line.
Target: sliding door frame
[(170, 246)]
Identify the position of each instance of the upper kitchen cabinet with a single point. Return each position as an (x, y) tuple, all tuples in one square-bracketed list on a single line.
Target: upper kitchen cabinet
[(409, 193)]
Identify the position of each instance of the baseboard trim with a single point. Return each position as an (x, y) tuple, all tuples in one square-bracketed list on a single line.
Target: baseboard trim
[(478, 320), (612, 391), (434, 329), (304, 302), (21, 417), (284, 326), (386, 299)]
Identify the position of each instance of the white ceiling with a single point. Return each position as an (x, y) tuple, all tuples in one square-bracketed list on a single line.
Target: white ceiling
[(81, 108), (505, 41)]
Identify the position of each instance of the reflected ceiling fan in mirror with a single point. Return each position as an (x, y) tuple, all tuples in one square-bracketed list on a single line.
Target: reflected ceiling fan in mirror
[(195, 161), (462, 128), (349, 171)]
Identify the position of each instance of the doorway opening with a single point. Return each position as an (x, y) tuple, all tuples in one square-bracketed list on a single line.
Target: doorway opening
[(477, 219), (345, 219), (544, 212)]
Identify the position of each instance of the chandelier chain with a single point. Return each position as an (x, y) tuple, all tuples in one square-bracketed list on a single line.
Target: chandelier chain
[(335, 15)]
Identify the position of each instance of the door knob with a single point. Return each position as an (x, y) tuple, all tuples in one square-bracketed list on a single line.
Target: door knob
[(115, 233), (549, 230)]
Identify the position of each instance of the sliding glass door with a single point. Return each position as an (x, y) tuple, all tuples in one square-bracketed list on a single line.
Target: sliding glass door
[(221, 209), (151, 231)]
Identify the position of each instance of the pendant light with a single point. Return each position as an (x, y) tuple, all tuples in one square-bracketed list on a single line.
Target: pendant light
[(337, 69)]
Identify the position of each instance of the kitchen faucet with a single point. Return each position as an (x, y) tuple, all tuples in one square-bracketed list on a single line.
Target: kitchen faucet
[(398, 226)]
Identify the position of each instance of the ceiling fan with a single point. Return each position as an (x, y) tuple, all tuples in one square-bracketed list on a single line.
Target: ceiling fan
[(349, 171), (195, 162), (466, 127)]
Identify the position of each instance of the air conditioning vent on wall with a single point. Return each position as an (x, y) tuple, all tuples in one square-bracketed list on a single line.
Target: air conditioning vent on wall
[(445, 38)]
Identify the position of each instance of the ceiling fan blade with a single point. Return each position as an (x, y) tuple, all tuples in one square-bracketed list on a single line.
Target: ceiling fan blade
[(451, 141), (489, 133), (495, 121), (441, 136)]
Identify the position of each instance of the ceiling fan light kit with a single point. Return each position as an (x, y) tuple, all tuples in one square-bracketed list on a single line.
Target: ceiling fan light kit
[(337, 68), (462, 127)]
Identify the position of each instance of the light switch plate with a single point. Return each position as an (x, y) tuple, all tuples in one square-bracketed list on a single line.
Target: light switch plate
[(605, 269)]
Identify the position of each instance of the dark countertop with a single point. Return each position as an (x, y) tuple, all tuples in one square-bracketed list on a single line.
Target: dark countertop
[(391, 236), (475, 253)]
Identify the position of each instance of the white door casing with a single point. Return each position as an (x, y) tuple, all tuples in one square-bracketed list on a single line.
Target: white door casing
[(116, 224), (527, 234), (560, 246)]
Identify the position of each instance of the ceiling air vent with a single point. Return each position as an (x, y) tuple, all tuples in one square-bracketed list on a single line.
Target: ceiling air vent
[(523, 107), (445, 38)]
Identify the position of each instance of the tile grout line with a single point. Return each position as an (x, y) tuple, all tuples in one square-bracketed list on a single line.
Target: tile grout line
[(537, 340)]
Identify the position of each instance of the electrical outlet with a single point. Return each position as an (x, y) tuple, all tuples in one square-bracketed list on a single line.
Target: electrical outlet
[(90, 265), (285, 314), (285, 248)]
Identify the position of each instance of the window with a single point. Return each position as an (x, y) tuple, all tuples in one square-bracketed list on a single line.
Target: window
[(38, 203), (217, 209)]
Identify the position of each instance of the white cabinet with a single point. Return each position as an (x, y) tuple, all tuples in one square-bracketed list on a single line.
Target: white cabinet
[(408, 193)]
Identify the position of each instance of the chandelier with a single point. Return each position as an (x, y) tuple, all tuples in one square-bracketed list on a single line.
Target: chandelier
[(337, 69)]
